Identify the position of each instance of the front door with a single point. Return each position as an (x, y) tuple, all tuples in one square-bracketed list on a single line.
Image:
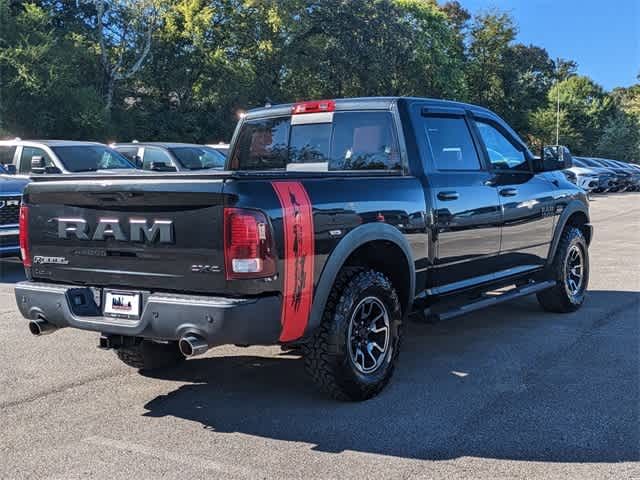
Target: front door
[(527, 199)]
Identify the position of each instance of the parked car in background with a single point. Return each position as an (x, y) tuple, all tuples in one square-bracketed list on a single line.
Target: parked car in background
[(37, 157), (223, 148), (607, 178), (171, 157), (625, 176), (11, 188), (634, 166), (635, 175), (583, 177)]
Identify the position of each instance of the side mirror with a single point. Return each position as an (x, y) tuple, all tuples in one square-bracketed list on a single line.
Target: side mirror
[(37, 164), (11, 169), (162, 167), (554, 157)]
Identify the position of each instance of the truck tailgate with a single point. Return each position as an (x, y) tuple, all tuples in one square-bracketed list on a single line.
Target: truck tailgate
[(144, 233)]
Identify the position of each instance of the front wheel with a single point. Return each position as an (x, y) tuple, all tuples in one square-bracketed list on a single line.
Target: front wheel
[(570, 269), (353, 354)]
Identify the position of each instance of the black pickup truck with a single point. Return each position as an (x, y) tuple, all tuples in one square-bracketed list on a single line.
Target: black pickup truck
[(332, 222)]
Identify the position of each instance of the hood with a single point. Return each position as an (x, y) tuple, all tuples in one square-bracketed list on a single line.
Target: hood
[(582, 170), (12, 184)]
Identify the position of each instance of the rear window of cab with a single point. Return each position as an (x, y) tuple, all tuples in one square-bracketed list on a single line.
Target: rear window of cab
[(340, 141)]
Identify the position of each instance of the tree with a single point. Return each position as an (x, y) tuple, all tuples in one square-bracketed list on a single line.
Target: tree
[(585, 106), (491, 35), (183, 69), (542, 130), (565, 69), (527, 75), (620, 138), (46, 83), (621, 135), (123, 29), (380, 47)]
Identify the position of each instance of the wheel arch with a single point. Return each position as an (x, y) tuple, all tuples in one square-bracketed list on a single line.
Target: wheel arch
[(359, 247), (575, 214)]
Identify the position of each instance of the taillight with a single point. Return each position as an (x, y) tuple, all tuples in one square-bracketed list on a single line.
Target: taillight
[(23, 224), (314, 107), (248, 247)]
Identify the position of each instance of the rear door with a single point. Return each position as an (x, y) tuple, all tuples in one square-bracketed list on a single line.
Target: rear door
[(467, 215)]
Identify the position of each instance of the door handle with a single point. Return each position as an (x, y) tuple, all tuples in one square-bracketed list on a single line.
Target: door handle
[(446, 196), (509, 192)]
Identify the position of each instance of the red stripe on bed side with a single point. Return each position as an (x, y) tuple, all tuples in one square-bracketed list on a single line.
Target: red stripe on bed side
[(299, 251)]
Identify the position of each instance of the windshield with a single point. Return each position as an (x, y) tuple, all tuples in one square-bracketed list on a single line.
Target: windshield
[(591, 163), (89, 158), (609, 164), (198, 158), (224, 150)]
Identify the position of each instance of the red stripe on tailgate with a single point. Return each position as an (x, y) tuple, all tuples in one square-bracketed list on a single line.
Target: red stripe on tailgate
[(299, 251)]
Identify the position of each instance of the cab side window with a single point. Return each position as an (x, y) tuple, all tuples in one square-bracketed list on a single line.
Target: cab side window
[(451, 143), (28, 153), (155, 155), (6, 155), (130, 152), (503, 154)]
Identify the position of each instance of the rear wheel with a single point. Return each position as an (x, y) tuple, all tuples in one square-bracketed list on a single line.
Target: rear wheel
[(353, 354), (148, 355), (570, 269)]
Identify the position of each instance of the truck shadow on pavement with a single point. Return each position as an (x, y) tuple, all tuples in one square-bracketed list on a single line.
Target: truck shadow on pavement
[(511, 383)]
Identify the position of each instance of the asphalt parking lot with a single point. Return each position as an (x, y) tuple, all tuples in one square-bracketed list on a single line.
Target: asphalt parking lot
[(509, 392)]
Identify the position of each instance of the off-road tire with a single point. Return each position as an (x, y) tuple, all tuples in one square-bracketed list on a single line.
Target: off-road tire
[(147, 355), (326, 356), (558, 299)]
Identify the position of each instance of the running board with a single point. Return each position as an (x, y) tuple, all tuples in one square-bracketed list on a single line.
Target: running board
[(490, 301)]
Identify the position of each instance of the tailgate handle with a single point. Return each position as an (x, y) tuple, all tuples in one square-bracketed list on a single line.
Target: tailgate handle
[(109, 197)]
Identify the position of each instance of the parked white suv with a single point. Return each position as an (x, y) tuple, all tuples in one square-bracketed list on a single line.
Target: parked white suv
[(583, 177)]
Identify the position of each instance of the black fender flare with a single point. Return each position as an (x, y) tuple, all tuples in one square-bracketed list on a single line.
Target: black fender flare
[(573, 207), (356, 238)]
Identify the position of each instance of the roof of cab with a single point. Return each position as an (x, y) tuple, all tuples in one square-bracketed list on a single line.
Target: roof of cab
[(371, 103), (157, 144)]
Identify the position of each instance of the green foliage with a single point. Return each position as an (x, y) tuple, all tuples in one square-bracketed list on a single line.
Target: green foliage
[(620, 138), (490, 37), (621, 135), (585, 110), (184, 69), (44, 89)]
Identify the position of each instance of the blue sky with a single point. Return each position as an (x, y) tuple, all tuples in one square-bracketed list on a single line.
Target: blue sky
[(602, 36)]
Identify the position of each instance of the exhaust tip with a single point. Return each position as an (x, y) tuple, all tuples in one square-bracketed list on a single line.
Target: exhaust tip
[(192, 345), (40, 326), (34, 328)]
